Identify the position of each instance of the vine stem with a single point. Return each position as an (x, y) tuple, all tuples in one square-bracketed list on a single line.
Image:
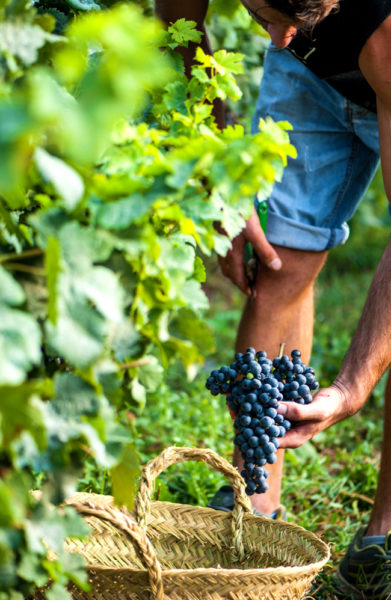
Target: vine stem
[(25, 269), (137, 363), (359, 496), (282, 346), (25, 254), (87, 450)]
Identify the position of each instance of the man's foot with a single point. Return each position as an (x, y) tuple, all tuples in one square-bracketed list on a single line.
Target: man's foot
[(365, 570), (277, 515), (224, 500)]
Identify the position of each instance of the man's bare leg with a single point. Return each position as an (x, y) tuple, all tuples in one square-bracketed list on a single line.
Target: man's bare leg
[(282, 311), (380, 521)]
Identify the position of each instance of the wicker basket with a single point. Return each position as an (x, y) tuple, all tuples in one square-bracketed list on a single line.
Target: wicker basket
[(166, 551)]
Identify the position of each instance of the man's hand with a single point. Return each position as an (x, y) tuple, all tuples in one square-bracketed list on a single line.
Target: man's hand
[(329, 406), (232, 265)]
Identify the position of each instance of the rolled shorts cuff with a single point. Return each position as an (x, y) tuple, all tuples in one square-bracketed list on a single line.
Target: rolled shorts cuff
[(283, 231)]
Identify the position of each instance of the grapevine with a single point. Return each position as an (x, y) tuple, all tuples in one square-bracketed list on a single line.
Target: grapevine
[(105, 216), (254, 386)]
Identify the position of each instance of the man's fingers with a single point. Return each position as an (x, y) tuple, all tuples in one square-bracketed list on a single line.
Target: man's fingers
[(320, 409), (257, 238), (268, 255), (298, 435), (301, 412), (232, 265), (308, 419), (275, 263), (234, 270)]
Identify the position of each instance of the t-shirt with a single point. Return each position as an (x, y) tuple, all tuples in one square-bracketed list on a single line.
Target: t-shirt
[(332, 49)]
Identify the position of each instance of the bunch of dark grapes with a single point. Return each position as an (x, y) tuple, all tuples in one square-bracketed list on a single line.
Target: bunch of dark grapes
[(254, 386), (299, 380)]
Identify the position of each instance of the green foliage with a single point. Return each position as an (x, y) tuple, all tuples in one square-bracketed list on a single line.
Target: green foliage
[(113, 176), (231, 27), (29, 528)]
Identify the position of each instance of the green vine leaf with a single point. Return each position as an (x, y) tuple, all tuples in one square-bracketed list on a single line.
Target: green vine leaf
[(84, 5), (65, 180), (151, 374), (21, 409), (20, 335), (21, 41), (121, 213), (124, 477), (182, 32)]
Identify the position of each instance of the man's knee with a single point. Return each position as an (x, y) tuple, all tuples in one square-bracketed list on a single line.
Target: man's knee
[(296, 276)]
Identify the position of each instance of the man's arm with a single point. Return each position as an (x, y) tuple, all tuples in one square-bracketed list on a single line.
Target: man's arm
[(367, 359), (170, 11), (375, 64), (369, 354)]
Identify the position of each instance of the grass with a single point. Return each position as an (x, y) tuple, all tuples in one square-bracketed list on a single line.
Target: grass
[(330, 482)]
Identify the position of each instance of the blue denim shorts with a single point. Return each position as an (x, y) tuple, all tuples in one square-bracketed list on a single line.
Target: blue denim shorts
[(337, 147)]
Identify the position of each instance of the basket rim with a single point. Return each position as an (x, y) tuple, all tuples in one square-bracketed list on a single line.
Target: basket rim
[(321, 546), (222, 515), (221, 571), (218, 514)]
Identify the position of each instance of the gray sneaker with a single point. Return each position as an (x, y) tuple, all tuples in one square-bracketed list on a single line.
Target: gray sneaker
[(365, 570), (224, 500)]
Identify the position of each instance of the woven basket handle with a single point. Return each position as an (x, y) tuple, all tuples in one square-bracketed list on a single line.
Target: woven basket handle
[(174, 455), (142, 545)]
